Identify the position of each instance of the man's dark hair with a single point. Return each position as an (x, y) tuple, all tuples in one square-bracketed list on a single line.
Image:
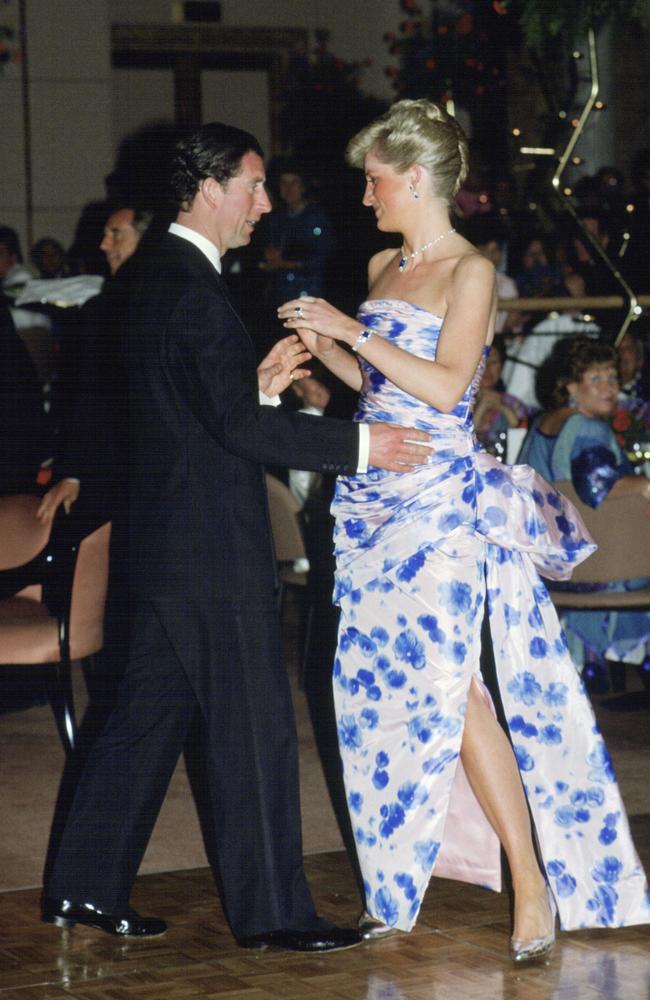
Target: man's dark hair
[(9, 239), (212, 150), (141, 221)]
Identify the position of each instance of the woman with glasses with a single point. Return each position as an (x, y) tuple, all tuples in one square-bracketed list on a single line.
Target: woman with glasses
[(573, 440)]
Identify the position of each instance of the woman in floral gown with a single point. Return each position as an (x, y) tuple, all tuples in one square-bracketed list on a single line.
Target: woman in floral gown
[(433, 784)]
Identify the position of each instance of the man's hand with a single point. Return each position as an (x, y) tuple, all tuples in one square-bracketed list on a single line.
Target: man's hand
[(281, 366), (395, 448), (64, 492)]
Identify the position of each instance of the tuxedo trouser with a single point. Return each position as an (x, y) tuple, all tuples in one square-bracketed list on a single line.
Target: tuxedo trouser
[(251, 764)]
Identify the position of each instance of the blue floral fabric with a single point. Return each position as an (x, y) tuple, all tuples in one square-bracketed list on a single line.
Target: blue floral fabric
[(418, 554)]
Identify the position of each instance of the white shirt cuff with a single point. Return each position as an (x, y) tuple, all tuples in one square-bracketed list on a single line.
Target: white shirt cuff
[(268, 400), (364, 448)]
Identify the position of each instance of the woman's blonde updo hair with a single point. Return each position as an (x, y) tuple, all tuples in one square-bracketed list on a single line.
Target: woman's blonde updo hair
[(416, 131)]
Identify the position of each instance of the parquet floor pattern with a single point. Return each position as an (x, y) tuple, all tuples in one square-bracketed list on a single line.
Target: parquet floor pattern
[(458, 950)]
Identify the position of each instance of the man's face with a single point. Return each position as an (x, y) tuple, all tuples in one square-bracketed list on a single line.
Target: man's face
[(243, 201), (7, 261), (120, 238)]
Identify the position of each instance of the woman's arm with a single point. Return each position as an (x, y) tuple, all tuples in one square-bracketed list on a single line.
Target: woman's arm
[(471, 306), (338, 360)]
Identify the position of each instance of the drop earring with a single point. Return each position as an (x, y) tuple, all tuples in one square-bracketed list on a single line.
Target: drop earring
[(413, 192)]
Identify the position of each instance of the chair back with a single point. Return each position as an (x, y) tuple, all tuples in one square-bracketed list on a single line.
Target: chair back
[(89, 588), (285, 525), (22, 535), (621, 529)]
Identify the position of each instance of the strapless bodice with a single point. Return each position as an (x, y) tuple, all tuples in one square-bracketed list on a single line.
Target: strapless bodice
[(417, 331)]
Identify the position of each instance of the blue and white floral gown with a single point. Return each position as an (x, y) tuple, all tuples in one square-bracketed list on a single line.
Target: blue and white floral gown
[(416, 555)]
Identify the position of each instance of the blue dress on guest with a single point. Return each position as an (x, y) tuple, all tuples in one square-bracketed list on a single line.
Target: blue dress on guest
[(587, 453), (418, 555)]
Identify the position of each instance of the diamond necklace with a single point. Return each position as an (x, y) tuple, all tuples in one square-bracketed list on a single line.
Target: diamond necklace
[(406, 257)]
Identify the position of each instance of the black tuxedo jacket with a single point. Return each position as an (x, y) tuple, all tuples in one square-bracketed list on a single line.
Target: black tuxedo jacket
[(200, 544)]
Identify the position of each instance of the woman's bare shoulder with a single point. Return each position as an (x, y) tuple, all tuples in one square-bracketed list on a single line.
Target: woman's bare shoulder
[(379, 262)]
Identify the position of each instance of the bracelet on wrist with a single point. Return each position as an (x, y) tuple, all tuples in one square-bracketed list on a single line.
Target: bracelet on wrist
[(362, 339)]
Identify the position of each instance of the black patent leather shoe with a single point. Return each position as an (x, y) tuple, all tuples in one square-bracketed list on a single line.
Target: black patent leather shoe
[(331, 939), (126, 923)]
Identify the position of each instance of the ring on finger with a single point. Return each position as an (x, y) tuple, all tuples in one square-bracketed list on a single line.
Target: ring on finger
[(298, 311)]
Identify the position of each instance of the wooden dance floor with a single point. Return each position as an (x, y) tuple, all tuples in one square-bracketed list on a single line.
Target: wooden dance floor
[(458, 950)]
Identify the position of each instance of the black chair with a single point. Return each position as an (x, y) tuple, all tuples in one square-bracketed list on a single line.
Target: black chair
[(52, 596)]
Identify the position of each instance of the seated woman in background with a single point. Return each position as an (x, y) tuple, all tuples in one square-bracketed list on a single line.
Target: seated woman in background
[(496, 410), (571, 439)]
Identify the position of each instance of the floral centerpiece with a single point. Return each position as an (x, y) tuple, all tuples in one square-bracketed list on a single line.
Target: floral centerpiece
[(631, 424)]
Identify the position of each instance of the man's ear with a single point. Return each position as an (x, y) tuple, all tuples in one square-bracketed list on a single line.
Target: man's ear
[(212, 192)]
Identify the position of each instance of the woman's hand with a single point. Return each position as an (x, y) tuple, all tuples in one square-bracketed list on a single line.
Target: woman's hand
[(281, 366), (322, 319), (64, 492)]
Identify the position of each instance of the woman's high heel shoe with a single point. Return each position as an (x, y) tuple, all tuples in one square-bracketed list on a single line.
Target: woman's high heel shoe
[(538, 948)]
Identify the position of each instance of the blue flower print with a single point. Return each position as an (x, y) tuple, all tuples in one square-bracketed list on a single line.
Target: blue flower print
[(455, 597), (517, 724), (553, 499), (550, 735), (396, 678), (449, 522), (604, 903), (495, 517), (565, 884), (385, 907), (436, 765), (511, 615), (430, 625), (382, 759), (393, 816), (538, 648), (595, 796), (426, 852), (355, 802), (525, 761), (379, 635), (540, 594), (565, 816), (409, 648), (357, 529), (607, 870), (405, 882), (349, 732), (600, 762), (410, 567), (369, 718), (380, 779), (366, 679), (412, 794), (455, 651), (361, 837), (535, 617), (419, 729), (524, 688), (608, 833), (555, 694)]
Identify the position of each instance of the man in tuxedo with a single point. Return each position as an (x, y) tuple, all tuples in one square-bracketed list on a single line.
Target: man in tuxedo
[(204, 628)]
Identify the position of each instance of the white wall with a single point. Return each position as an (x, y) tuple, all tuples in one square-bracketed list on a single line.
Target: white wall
[(81, 107), (69, 96)]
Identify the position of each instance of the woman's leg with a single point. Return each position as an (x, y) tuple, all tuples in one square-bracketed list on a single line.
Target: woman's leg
[(492, 770)]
